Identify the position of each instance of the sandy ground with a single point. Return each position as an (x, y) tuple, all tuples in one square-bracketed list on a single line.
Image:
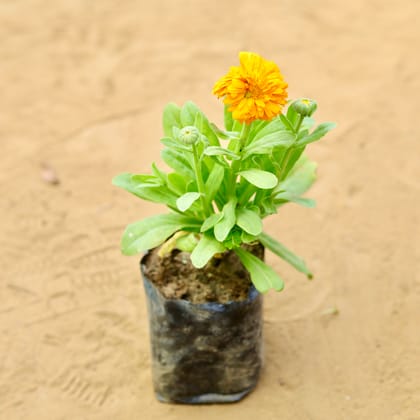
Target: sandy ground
[(82, 88)]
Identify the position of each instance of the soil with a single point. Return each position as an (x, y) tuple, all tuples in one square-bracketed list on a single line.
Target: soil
[(223, 279), (83, 85)]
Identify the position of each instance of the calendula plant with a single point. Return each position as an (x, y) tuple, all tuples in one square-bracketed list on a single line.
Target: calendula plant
[(224, 182)]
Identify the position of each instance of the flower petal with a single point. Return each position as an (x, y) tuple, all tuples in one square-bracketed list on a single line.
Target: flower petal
[(254, 90)]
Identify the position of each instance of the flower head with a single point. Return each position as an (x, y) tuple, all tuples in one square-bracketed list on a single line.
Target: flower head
[(255, 90), (305, 107), (189, 135)]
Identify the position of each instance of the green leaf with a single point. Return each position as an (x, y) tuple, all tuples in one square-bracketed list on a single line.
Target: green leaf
[(274, 126), (286, 123), (285, 197), (255, 128), (187, 242), (171, 118), (206, 129), (292, 116), (307, 123), (294, 155), (159, 174), (303, 132), (188, 113), (219, 161), (145, 180), (156, 193), (247, 238), (152, 231), (263, 276), (235, 238), (261, 179), (233, 144), (186, 200), (125, 182), (192, 115), (267, 207), (319, 132), (204, 251), (225, 135), (175, 144), (284, 253), (220, 151), (304, 202), (178, 161), (210, 221), (227, 222), (177, 183), (299, 179), (214, 181), (249, 221), (265, 144)]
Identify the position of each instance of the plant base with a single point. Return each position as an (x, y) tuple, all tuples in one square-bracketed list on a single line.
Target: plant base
[(204, 353)]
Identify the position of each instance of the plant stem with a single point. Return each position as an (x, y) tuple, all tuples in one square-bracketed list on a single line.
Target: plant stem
[(200, 183), (246, 194), (242, 137), (301, 117), (284, 163), (238, 150)]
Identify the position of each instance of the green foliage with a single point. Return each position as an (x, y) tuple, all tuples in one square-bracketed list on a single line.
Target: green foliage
[(187, 200), (223, 227), (152, 231), (261, 179), (298, 181), (318, 133), (263, 276), (223, 185), (205, 249), (284, 253), (249, 221)]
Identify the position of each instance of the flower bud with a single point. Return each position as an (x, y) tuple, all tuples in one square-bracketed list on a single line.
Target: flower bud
[(304, 107), (189, 135)]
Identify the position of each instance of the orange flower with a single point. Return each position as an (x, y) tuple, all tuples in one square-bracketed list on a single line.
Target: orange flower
[(255, 90)]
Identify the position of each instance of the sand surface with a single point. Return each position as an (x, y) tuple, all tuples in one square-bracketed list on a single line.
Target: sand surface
[(83, 84)]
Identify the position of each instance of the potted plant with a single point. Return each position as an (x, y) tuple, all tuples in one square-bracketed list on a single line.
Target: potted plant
[(204, 269)]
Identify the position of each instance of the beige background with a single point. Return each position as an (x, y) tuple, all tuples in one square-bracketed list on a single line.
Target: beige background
[(82, 87)]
